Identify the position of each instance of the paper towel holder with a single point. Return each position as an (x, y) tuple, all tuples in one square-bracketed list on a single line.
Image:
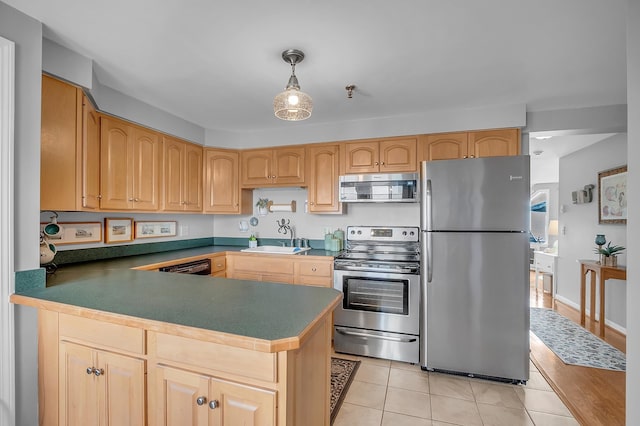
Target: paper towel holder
[(289, 207)]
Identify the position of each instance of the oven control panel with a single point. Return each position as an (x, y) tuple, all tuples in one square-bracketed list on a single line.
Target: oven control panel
[(383, 233)]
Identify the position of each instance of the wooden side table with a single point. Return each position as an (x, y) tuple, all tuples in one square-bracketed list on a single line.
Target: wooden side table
[(604, 273)]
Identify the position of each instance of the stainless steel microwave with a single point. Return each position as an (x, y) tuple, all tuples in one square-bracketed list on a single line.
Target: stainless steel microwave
[(380, 188)]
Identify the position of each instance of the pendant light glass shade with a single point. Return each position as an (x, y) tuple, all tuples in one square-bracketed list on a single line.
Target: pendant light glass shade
[(292, 104)]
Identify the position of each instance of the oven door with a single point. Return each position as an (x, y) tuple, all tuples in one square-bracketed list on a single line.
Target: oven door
[(385, 302)]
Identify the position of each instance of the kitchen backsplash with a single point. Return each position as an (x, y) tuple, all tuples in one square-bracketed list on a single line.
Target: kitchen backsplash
[(306, 225), (312, 226)]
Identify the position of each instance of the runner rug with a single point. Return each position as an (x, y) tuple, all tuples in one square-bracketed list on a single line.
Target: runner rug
[(342, 373), (574, 344)]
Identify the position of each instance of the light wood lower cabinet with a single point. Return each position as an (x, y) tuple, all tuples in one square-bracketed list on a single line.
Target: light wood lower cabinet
[(185, 398), (288, 269), (219, 265), (100, 388)]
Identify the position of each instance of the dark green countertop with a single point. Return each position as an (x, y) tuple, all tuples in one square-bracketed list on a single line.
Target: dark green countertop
[(257, 310)]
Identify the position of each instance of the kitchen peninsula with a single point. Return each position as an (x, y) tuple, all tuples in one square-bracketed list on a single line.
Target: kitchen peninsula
[(140, 347)]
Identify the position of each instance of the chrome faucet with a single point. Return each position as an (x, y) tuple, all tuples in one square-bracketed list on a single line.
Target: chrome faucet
[(284, 227)]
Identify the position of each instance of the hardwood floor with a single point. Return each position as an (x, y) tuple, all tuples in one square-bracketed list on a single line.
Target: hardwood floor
[(594, 396)]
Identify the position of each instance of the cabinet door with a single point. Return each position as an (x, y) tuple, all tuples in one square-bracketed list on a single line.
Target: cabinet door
[(146, 169), (221, 181), (193, 178), (323, 171), (173, 157), (90, 156), (241, 405), (115, 164), (398, 155), (60, 129), (121, 390), (256, 167), (362, 157), (177, 394), (444, 146), (78, 396), (288, 165), (494, 143)]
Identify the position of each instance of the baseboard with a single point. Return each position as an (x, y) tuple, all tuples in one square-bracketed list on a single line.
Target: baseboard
[(617, 327)]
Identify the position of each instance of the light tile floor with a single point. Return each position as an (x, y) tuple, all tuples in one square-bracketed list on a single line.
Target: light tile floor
[(390, 393)]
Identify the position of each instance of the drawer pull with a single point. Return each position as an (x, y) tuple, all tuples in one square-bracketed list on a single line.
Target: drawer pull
[(201, 400), (214, 404)]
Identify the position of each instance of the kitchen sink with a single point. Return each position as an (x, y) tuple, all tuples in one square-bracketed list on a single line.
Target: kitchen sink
[(276, 250)]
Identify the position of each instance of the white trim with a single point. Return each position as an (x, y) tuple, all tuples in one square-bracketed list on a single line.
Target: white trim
[(576, 306), (7, 285)]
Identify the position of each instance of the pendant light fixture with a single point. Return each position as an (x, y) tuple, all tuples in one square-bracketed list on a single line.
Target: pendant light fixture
[(292, 104)]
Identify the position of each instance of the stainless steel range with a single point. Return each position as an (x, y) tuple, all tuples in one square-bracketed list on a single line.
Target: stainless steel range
[(379, 274)]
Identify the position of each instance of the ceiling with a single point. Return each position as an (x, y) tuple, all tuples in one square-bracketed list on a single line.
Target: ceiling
[(218, 63)]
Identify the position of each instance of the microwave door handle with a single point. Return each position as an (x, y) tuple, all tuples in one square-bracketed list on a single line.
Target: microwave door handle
[(429, 224)]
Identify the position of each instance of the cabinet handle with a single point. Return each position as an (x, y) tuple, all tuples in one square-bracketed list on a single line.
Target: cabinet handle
[(312, 203), (313, 269), (201, 400), (135, 200), (130, 199), (98, 372), (472, 156), (99, 197), (90, 370), (382, 163), (214, 404), (465, 156), (219, 265), (377, 164)]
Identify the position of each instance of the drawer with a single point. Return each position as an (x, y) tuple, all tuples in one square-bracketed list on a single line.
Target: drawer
[(218, 263), (214, 356), (100, 333), (318, 269)]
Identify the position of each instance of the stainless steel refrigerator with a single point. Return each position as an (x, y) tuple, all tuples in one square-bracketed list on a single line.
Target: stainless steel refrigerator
[(475, 267)]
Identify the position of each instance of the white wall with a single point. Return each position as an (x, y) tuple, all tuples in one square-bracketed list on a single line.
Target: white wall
[(26, 33), (581, 222), (633, 276), (430, 122), (544, 170), (312, 225), (75, 68), (189, 226)]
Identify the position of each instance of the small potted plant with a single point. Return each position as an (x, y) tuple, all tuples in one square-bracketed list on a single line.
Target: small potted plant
[(262, 204), (253, 241), (609, 254)]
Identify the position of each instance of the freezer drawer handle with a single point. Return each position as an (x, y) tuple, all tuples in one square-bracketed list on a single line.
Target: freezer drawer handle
[(373, 336)]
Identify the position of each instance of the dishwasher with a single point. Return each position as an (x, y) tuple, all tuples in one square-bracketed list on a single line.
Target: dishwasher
[(197, 267)]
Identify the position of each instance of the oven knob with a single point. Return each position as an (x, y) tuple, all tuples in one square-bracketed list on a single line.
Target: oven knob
[(404, 233), (353, 232), (411, 233), (359, 232)]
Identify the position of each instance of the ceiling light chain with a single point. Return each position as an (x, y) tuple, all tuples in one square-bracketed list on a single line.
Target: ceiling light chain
[(292, 104)]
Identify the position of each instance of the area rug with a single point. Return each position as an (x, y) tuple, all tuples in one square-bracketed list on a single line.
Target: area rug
[(342, 373), (572, 343)]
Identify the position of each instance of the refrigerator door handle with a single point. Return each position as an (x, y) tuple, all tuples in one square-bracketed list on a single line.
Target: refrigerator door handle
[(429, 224)]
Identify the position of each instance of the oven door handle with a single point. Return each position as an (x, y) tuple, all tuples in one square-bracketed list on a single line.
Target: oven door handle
[(374, 336)]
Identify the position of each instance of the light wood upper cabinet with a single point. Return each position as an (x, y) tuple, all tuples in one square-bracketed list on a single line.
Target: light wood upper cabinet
[(182, 176), (444, 146), (495, 143), (100, 388), (273, 167), (384, 156), (130, 166), (485, 143), (322, 178), (222, 193), (69, 149)]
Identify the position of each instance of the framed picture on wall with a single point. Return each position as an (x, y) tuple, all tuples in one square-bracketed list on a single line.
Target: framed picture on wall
[(118, 230), (155, 229), (612, 196), (77, 232)]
